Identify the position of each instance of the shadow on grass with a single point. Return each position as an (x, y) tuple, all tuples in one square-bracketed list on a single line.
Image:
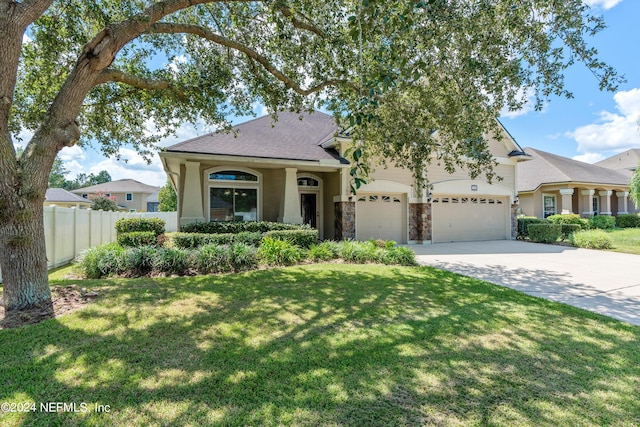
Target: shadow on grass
[(323, 345)]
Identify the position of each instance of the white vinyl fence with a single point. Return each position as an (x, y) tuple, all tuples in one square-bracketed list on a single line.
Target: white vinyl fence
[(69, 231)]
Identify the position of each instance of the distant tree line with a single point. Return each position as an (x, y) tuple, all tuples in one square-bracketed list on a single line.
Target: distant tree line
[(57, 177)]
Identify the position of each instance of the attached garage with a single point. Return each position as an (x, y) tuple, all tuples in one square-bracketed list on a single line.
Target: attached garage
[(381, 216), (459, 219)]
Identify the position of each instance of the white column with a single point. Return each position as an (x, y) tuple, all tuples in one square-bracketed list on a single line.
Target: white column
[(622, 201), (605, 202), (567, 200), (588, 202), (192, 210), (290, 205)]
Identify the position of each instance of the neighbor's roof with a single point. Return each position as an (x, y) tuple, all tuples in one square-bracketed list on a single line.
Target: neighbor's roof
[(292, 137), (61, 195), (626, 160), (546, 168), (119, 186), (153, 198)]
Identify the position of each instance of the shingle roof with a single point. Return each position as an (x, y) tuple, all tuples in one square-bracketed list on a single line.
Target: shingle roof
[(546, 168), (119, 186), (626, 160), (290, 138), (153, 198), (61, 195)]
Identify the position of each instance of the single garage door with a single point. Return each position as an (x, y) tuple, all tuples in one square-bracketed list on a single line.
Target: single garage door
[(460, 219), (381, 216)]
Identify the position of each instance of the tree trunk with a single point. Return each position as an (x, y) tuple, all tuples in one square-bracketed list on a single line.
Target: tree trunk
[(23, 259)]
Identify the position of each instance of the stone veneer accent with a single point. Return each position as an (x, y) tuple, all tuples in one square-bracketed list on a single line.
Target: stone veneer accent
[(345, 220), (419, 222), (514, 221)]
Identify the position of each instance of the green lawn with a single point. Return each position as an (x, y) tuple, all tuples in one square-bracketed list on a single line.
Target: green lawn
[(330, 344), (626, 240)]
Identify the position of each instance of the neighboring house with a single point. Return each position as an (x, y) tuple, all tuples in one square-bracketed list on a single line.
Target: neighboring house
[(129, 194), (153, 204), (549, 184), (63, 198), (627, 160), (294, 171)]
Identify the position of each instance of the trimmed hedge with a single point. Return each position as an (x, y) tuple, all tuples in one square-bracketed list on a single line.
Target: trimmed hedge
[(568, 230), (592, 239), (628, 221), (603, 222), (131, 225), (195, 240), (137, 238), (569, 219), (221, 227), (544, 233), (523, 225), (302, 238)]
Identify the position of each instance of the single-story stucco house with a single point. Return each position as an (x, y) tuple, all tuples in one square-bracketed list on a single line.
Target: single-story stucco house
[(550, 184), (294, 171), (129, 194), (63, 198)]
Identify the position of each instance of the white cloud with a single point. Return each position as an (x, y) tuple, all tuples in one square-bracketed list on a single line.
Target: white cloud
[(135, 168), (528, 107), (26, 39), (590, 157), (69, 154), (604, 4), (613, 132), (174, 65)]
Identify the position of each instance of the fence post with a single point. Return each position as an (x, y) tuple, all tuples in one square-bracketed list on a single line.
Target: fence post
[(75, 231), (54, 244)]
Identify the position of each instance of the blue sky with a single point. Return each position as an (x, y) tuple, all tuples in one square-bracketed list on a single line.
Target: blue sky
[(591, 126)]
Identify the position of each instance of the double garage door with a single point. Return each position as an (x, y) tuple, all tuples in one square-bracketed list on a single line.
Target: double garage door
[(381, 216), (454, 218), (459, 219)]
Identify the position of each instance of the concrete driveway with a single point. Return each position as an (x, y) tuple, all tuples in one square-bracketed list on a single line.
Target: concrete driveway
[(604, 282)]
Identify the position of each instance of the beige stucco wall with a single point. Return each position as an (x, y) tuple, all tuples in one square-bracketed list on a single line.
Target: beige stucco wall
[(139, 202)]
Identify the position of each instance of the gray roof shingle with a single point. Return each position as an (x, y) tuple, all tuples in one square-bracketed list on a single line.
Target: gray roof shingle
[(290, 138), (61, 195), (119, 186), (626, 160), (546, 168)]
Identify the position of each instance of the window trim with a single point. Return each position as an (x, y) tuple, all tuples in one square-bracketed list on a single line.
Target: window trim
[(555, 204), (220, 183)]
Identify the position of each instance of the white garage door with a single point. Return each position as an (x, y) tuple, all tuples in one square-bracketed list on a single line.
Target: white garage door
[(460, 219), (381, 216)]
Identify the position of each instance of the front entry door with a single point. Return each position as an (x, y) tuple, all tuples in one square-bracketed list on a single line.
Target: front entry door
[(308, 209)]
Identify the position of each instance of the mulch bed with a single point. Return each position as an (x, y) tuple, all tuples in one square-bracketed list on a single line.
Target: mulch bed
[(65, 300)]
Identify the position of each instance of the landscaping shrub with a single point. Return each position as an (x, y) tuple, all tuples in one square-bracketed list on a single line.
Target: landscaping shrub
[(137, 238), (592, 239), (523, 225), (302, 238), (568, 230), (399, 255), (172, 261), (212, 259), (251, 238), (279, 252), (218, 227), (195, 240), (628, 221), (569, 219), (243, 257), (603, 222), (130, 225), (325, 251), (101, 261), (544, 232), (138, 261)]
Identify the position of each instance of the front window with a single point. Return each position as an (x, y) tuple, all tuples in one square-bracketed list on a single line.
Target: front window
[(233, 204), (129, 197), (232, 175), (549, 205)]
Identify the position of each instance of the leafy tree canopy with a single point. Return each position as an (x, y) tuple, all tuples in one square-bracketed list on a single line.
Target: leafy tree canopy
[(167, 198), (102, 201)]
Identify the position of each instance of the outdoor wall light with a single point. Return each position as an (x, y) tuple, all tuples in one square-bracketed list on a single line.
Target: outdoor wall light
[(474, 187)]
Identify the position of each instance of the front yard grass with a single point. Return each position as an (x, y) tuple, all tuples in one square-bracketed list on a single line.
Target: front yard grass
[(626, 240), (330, 344)]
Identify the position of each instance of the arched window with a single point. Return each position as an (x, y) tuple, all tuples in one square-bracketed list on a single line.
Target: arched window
[(233, 175), (306, 181)]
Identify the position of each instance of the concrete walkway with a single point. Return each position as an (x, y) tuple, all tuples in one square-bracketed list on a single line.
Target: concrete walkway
[(604, 282)]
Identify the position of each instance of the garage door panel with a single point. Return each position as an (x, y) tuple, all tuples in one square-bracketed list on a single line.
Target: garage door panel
[(381, 216), (469, 218)]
